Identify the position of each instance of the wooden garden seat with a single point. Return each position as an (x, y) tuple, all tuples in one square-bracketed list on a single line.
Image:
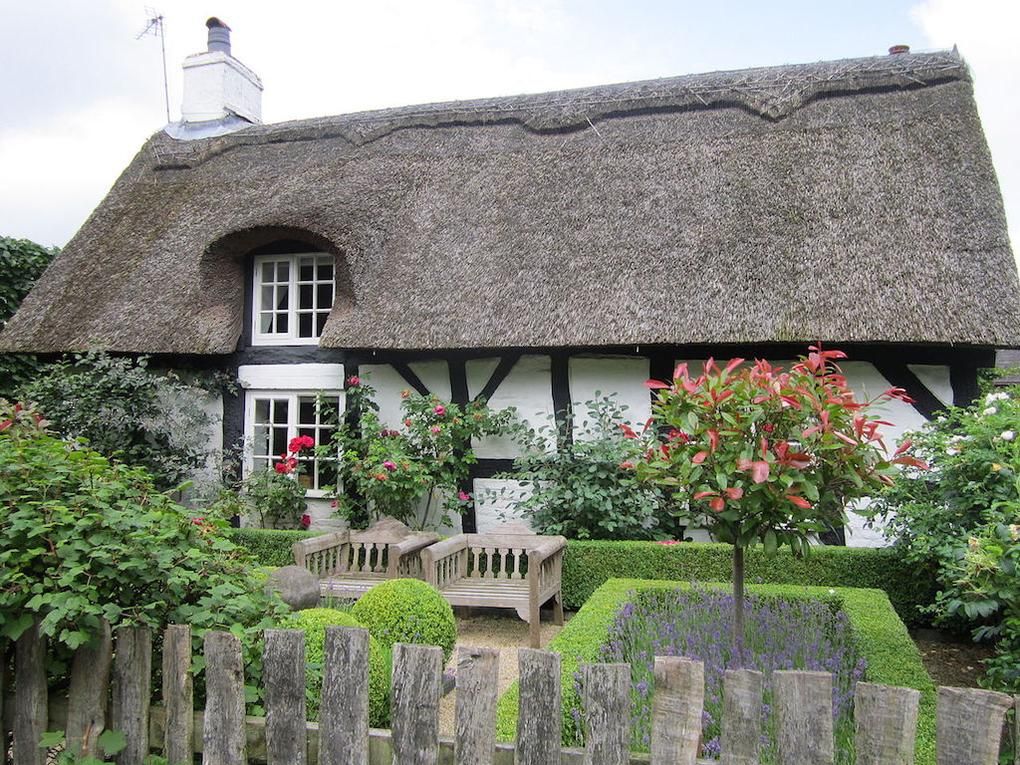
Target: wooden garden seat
[(510, 567), (349, 563)]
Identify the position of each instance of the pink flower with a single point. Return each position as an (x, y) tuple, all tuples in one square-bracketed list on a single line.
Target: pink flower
[(436, 430), (405, 393), (440, 410), (390, 465), (463, 496), (668, 542), (281, 467), (306, 521), (300, 442), (626, 465), (353, 381)]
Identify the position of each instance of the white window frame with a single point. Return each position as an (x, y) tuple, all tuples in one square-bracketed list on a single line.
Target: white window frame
[(291, 337), (292, 397)]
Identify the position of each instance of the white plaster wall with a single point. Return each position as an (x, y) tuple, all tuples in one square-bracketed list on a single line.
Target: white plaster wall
[(935, 378), (495, 500), (291, 376), (528, 388), (624, 376), (388, 385)]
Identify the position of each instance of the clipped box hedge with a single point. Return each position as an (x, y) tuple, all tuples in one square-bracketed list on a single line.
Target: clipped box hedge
[(589, 564), (881, 637)]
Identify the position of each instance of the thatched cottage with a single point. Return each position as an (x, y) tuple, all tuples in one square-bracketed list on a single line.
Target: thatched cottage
[(535, 249)]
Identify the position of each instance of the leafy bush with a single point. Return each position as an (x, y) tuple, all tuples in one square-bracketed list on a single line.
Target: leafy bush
[(314, 622), (385, 472), (588, 564), (84, 539), (407, 611), (585, 489), (880, 637), (125, 411), (21, 263), (961, 516)]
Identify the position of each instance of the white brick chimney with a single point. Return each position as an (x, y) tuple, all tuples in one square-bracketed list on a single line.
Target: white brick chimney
[(217, 85)]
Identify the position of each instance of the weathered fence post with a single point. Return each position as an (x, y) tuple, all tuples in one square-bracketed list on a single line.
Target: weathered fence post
[(885, 723), (605, 696), (30, 711), (676, 710), (132, 687), (343, 712), (540, 713), (3, 690), (283, 677), (86, 698), (475, 707), (1016, 730), (417, 685), (968, 725), (223, 735), (803, 704), (740, 737), (178, 696)]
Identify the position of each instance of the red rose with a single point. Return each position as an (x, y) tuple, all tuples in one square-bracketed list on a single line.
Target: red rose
[(306, 521)]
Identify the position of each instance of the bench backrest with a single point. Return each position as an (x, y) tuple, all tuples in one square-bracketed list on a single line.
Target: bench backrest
[(351, 552)]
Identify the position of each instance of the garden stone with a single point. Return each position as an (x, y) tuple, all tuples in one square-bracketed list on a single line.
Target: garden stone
[(296, 586)]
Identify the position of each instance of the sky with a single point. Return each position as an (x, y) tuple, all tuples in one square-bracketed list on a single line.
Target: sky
[(80, 92)]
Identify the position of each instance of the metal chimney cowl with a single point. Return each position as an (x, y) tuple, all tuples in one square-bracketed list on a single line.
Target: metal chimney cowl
[(217, 86)]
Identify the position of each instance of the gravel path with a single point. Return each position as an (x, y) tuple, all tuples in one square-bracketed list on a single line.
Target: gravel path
[(492, 629)]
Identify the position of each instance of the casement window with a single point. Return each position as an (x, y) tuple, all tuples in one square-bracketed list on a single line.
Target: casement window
[(293, 295), (284, 401)]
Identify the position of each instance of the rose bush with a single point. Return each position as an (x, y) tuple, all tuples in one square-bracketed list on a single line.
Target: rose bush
[(386, 471)]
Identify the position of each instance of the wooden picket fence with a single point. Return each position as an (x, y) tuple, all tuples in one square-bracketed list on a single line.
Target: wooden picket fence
[(969, 721)]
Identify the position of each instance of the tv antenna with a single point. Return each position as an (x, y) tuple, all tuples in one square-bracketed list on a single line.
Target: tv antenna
[(154, 25)]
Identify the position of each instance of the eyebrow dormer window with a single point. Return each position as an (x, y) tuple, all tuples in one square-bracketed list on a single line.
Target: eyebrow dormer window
[(293, 297)]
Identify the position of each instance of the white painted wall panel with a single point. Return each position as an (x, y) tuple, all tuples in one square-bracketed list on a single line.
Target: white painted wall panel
[(935, 378), (624, 376), (495, 500), (311, 377), (435, 375), (528, 388)]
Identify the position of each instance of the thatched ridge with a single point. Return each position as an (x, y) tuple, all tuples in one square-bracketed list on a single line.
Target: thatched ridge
[(848, 201)]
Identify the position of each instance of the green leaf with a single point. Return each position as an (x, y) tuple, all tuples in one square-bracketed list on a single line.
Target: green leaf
[(112, 741), (51, 738), (770, 542)]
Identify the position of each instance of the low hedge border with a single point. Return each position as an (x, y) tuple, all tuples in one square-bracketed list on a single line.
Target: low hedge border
[(589, 564), (881, 636)]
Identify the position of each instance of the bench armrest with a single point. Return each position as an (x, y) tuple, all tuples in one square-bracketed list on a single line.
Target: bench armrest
[(435, 556), (408, 548), (546, 549), (307, 552)]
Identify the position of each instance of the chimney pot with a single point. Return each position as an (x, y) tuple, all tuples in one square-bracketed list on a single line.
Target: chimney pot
[(219, 36), (895, 50)]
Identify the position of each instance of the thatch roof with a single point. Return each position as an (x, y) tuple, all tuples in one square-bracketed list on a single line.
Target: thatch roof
[(849, 201)]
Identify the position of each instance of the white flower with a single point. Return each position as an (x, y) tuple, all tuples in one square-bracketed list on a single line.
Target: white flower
[(991, 398), (957, 439), (952, 452), (1007, 435), (990, 410)]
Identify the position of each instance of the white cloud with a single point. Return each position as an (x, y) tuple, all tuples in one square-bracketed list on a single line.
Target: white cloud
[(987, 33)]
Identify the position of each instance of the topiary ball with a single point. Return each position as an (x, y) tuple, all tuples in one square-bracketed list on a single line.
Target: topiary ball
[(407, 611), (313, 622)]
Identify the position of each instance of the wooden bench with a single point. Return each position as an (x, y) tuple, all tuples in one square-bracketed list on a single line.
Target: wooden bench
[(511, 567), (349, 563)]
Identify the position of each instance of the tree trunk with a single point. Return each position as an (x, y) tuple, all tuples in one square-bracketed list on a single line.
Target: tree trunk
[(738, 605)]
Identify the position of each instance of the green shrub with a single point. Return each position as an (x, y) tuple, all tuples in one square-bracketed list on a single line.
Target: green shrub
[(588, 564), (407, 611), (21, 263), (313, 622), (880, 637)]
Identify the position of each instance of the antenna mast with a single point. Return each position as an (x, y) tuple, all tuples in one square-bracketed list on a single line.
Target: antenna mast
[(154, 26)]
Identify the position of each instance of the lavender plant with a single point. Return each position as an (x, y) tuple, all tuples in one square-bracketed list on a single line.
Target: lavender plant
[(696, 623)]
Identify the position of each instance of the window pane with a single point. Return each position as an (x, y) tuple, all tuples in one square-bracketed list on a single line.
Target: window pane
[(283, 271), (305, 294), (325, 270), (310, 432), (262, 410), (307, 271), (306, 411), (268, 271), (324, 295), (282, 323), (320, 322), (305, 325), (265, 323), (280, 410), (281, 298), (327, 473), (279, 440), (260, 441), (266, 296), (260, 464)]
